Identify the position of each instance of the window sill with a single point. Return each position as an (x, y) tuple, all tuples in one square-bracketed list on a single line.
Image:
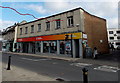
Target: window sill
[(70, 26), (57, 28), (47, 30), (38, 31)]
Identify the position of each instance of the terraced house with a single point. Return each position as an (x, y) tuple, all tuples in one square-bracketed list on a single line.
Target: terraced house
[(67, 33)]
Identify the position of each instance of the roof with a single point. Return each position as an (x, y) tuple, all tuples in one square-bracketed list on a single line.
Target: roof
[(62, 13), (10, 28)]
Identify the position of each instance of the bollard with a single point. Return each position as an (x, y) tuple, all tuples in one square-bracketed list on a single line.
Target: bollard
[(9, 62), (85, 75)]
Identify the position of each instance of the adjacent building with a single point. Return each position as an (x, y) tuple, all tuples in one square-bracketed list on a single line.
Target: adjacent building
[(65, 33), (9, 36), (114, 36), (1, 40)]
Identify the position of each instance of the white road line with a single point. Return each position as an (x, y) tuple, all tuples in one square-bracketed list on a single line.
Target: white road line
[(81, 64), (107, 68), (35, 59)]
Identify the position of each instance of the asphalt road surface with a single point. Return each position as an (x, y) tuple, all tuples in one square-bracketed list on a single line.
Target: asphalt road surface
[(69, 71)]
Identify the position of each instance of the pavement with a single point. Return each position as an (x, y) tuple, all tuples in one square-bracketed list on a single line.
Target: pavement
[(111, 59), (20, 74)]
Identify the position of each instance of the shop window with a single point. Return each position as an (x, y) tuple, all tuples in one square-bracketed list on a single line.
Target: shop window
[(32, 28), (111, 38), (39, 27), (53, 46), (50, 46), (38, 47), (46, 46), (65, 47), (26, 30), (68, 47), (110, 32), (58, 23), (62, 47), (47, 26), (70, 22), (20, 31), (118, 32)]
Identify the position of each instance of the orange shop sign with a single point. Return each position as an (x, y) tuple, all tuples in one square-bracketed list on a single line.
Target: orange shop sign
[(51, 37)]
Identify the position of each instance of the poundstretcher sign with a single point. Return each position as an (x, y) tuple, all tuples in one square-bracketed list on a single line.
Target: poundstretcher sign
[(51, 37)]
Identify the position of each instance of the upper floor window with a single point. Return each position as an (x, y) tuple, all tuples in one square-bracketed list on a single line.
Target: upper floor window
[(118, 32), (39, 27), (58, 23), (32, 28), (117, 43), (20, 31), (118, 37), (47, 26), (111, 38), (70, 21), (26, 30), (110, 32)]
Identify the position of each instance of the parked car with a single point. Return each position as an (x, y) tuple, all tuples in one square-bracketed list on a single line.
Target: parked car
[(118, 48)]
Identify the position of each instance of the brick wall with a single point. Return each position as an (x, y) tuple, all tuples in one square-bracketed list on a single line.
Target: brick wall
[(96, 30)]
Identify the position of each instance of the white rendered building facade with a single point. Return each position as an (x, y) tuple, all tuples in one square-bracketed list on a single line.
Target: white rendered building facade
[(114, 36)]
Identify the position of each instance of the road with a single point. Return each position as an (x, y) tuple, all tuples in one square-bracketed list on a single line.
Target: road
[(69, 71)]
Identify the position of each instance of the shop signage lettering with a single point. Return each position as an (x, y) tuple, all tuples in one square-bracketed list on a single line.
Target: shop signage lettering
[(51, 37)]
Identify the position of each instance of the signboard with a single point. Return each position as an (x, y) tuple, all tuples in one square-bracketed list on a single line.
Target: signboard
[(51, 37), (85, 36)]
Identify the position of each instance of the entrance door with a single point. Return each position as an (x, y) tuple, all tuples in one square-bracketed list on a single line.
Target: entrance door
[(33, 47), (25, 47), (77, 48)]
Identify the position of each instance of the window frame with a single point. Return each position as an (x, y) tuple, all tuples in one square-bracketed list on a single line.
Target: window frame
[(111, 37), (118, 37), (118, 32), (47, 26), (32, 28), (20, 31), (70, 21), (39, 28), (58, 24), (26, 30), (110, 32)]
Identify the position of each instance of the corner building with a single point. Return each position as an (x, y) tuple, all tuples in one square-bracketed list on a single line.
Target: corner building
[(65, 33)]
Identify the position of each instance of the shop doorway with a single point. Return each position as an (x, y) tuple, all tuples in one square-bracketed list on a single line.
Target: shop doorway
[(33, 47), (77, 48), (25, 47)]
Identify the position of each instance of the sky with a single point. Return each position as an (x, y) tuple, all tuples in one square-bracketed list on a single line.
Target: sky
[(107, 10)]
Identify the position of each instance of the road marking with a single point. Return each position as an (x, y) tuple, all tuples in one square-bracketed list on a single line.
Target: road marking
[(107, 68), (54, 63), (81, 64), (35, 59)]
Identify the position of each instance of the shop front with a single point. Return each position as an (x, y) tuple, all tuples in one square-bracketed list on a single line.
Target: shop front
[(57, 44)]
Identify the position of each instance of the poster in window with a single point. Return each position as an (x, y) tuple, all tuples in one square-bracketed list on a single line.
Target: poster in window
[(68, 46)]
